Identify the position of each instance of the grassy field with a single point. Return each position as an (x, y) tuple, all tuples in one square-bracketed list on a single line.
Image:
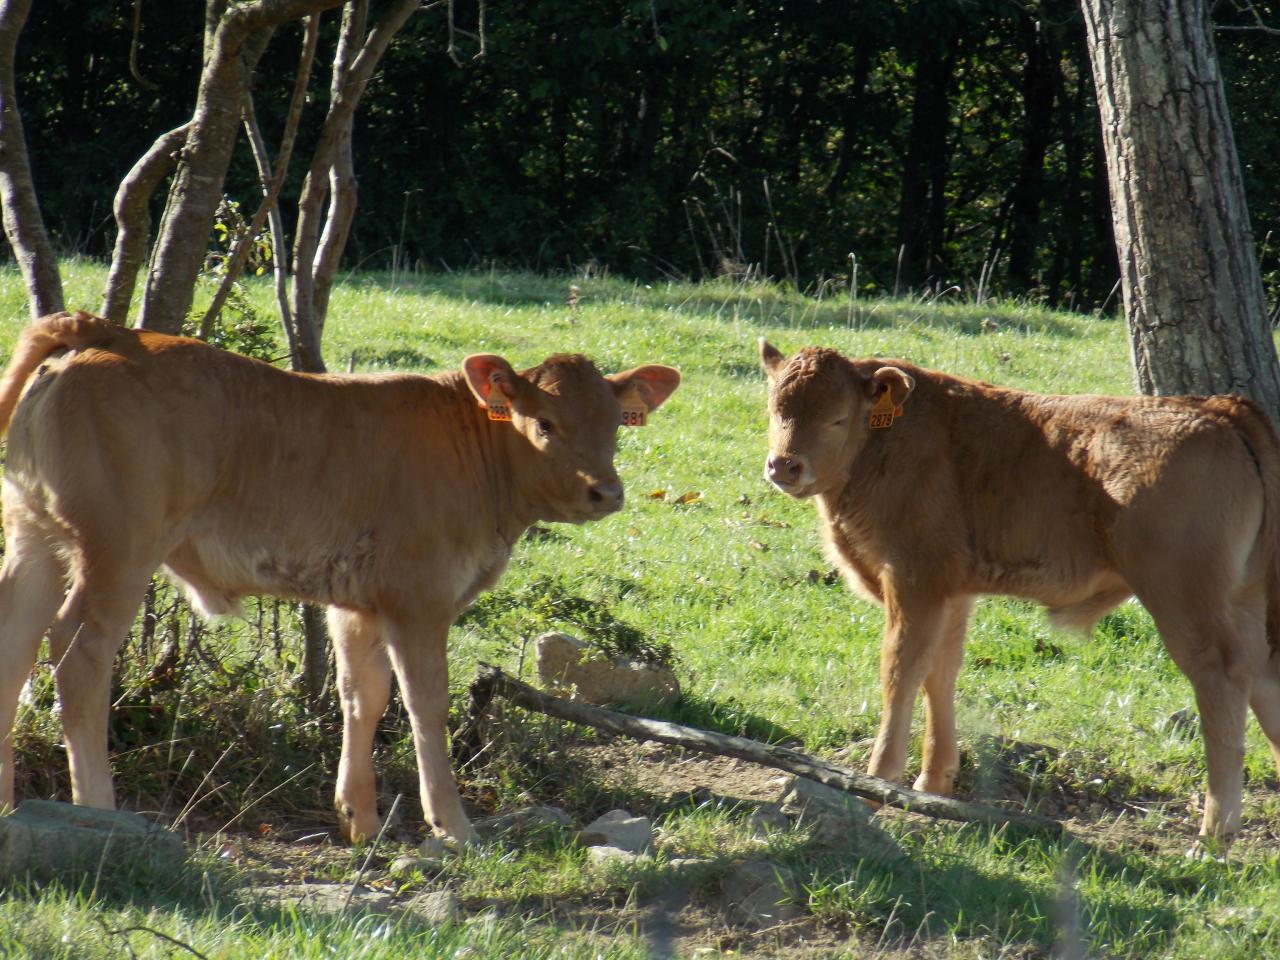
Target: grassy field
[(732, 580)]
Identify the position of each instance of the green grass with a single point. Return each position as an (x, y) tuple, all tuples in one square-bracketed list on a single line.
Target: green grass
[(760, 645)]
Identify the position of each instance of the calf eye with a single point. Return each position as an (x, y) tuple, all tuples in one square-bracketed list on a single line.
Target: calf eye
[(544, 428)]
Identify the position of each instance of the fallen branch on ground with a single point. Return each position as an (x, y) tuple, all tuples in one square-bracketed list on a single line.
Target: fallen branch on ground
[(492, 682)]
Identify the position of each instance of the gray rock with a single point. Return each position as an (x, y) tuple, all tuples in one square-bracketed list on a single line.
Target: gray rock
[(768, 818), (759, 894), (608, 856), (565, 662), (434, 907), (433, 848), (620, 829), (45, 838), (685, 867), (1182, 723), (407, 864), (837, 819), (524, 821), (329, 898)]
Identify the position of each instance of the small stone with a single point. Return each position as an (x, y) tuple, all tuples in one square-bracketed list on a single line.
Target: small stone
[(1182, 723), (620, 829), (682, 866), (407, 864), (759, 894), (434, 907), (433, 848), (608, 856), (838, 818), (766, 819), (328, 898)]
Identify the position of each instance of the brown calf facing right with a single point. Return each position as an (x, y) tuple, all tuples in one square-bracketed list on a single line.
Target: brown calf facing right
[(933, 490), (393, 500)]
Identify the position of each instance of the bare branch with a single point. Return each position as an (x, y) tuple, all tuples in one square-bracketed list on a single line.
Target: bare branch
[(23, 224), (273, 183), (348, 87), (133, 221), (133, 50), (493, 682)]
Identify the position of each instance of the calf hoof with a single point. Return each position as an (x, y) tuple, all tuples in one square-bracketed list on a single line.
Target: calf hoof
[(1210, 848), (356, 829), (936, 783)]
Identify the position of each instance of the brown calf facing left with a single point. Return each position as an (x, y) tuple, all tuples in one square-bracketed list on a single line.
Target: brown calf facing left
[(393, 500), (933, 489)]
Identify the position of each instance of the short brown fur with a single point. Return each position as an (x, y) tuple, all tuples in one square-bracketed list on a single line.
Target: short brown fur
[(1075, 501), (393, 500)]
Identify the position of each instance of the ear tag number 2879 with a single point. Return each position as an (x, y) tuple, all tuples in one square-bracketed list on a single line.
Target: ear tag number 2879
[(883, 412)]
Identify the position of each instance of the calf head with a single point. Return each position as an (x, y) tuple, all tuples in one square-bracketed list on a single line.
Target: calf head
[(821, 412), (566, 415)]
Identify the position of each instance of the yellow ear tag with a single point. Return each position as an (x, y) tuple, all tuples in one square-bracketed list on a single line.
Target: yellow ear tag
[(635, 414), (883, 412), (498, 409)]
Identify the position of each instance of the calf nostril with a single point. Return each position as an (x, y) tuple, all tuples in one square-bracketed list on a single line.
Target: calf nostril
[(595, 495)]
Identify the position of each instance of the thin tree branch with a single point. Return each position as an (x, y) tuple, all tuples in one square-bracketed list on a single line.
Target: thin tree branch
[(492, 682), (133, 221), (133, 50), (273, 184)]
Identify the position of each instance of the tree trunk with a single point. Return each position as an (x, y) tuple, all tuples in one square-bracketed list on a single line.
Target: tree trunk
[(232, 50), (315, 259), (133, 221), (1027, 193), (23, 224), (924, 170), (1193, 295)]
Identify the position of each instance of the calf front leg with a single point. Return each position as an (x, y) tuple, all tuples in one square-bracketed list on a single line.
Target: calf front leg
[(906, 657), (364, 686), (418, 655), (941, 753)]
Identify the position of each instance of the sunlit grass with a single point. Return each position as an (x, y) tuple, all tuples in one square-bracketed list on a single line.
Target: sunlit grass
[(735, 583)]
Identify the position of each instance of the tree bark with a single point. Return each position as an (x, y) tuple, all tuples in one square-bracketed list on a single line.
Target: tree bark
[(133, 221), (921, 208), (197, 187), (23, 224), (1193, 296), (315, 260), (272, 181), (493, 682)]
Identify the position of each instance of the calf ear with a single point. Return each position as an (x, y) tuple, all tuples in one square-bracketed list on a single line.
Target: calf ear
[(897, 382), (653, 383), (771, 359), (487, 372)]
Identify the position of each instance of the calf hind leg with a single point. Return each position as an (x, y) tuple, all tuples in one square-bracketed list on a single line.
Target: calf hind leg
[(1221, 657), (364, 687), (32, 586), (83, 642)]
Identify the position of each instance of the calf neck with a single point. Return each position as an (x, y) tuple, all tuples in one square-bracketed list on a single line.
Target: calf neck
[(391, 500), (933, 490)]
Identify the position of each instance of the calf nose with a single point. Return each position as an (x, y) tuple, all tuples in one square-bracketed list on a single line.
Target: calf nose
[(606, 496), (784, 469)]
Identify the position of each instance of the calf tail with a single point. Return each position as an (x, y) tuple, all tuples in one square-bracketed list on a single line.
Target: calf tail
[(44, 337), (1264, 444)]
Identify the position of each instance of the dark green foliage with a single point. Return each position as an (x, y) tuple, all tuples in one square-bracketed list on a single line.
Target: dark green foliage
[(548, 603), (940, 144)]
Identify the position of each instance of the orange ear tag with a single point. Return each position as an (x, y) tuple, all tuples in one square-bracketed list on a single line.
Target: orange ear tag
[(635, 414), (498, 409), (883, 412)]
